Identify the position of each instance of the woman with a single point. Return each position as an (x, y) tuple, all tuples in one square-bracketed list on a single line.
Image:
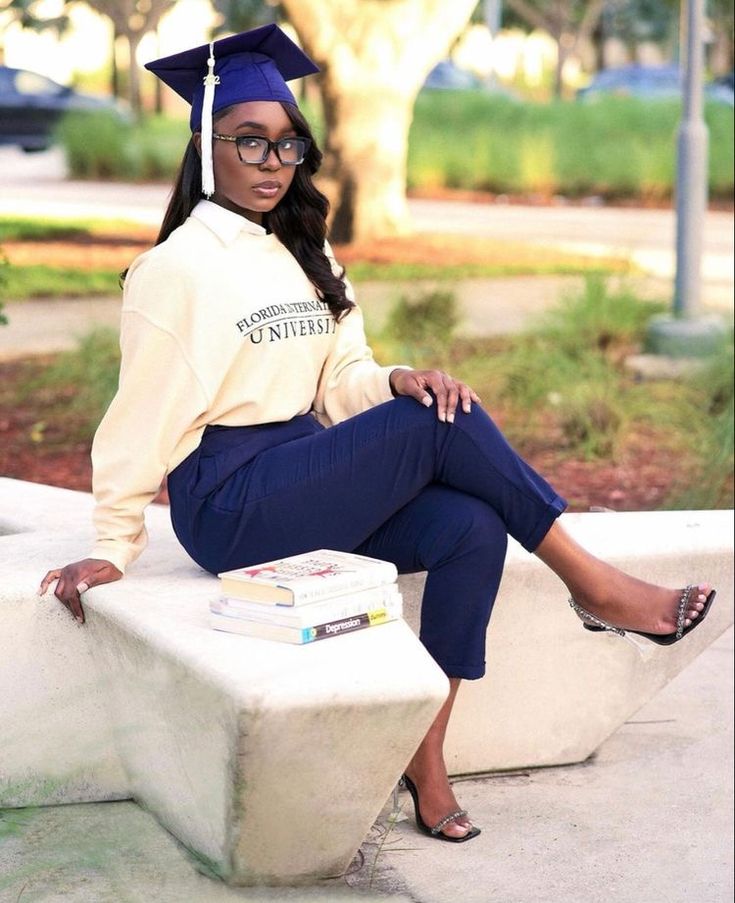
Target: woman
[(246, 378)]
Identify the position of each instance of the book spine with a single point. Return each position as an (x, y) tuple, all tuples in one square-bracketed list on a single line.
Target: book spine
[(341, 584), (346, 625), (300, 636), (308, 615)]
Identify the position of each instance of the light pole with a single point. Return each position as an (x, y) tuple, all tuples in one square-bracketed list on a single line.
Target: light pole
[(686, 331)]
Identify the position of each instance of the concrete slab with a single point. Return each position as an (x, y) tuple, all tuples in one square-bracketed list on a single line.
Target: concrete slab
[(118, 853), (648, 819)]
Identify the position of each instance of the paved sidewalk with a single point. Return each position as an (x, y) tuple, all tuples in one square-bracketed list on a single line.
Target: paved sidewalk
[(648, 820)]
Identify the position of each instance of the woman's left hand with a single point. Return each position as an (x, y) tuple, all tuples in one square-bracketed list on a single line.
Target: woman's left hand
[(449, 392)]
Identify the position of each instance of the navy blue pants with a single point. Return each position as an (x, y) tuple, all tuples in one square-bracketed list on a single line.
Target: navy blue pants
[(393, 483)]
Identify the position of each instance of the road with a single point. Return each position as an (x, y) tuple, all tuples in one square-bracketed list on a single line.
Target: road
[(34, 184)]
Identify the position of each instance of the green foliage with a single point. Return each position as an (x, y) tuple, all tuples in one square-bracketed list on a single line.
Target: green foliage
[(423, 327), (710, 420), (90, 374), (616, 147), (101, 146), (23, 228), (595, 320), (364, 270)]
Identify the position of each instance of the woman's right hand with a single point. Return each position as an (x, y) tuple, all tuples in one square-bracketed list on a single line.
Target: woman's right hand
[(77, 578)]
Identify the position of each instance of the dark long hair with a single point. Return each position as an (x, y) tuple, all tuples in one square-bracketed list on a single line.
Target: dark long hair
[(299, 221)]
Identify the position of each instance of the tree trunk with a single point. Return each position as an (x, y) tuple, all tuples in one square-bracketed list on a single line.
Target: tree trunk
[(368, 139), (374, 56), (133, 39)]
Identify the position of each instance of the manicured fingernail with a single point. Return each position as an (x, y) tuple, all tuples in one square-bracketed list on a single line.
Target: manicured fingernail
[(82, 587), (467, 408), (40, 591), (426, 401), (450, 418), (78, 619)]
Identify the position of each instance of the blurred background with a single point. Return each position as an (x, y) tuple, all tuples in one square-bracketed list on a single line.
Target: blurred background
[(502, 177)]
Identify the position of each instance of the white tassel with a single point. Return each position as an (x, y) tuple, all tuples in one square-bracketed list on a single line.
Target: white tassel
[(210, 80)]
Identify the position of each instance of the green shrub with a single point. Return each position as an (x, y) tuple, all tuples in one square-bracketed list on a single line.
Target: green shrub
[(423, 327), (101, 146), (90, 372), (710, 422), (596, 320), (617, 147)]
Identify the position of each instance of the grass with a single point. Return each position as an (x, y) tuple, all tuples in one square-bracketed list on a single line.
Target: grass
[(17, 228), (83, 257), (364, 271), (42, 281)]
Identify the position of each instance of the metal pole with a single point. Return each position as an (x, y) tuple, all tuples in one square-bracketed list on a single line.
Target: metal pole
[(686, 332), (691, 175)]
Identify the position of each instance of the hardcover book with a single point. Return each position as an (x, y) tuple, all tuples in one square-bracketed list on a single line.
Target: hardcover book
[(305, 578)]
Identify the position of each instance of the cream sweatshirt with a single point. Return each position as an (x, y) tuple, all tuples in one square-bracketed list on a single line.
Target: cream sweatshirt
[(220, 325)]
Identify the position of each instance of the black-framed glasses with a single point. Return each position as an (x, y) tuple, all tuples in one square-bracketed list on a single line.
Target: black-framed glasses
[(254, 149)]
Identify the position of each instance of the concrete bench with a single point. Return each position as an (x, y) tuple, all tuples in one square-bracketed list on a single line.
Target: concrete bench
[(269, 760), (553, 692)]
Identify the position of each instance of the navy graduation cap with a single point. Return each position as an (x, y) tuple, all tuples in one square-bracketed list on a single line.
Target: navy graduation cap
[(253, 65)]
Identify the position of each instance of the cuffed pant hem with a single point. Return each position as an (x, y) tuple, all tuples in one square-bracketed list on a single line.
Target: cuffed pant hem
[(552, 512), (464, 672)]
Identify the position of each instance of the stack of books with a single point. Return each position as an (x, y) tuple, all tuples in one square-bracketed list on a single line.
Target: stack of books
[(307, 597)]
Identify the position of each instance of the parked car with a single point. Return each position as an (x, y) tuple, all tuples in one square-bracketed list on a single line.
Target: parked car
[(647, 83), (31, 105), (448, 76)]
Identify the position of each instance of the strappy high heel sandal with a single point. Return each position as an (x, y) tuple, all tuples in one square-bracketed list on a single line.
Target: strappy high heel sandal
[(436, 831), (592, 622)]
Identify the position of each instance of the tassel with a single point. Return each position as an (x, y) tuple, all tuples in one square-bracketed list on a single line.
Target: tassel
[(210, 80)]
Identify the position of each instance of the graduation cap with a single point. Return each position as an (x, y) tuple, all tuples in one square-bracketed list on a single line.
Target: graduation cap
[(252, 65)]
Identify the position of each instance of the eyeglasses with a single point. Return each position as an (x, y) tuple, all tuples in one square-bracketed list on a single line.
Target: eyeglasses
[(252, 149)]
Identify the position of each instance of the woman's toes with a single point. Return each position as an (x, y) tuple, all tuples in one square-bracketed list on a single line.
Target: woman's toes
[(455, 830)]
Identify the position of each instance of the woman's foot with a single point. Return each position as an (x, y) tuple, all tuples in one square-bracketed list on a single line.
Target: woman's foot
[(437, 797), (610, 594), (633, 604)]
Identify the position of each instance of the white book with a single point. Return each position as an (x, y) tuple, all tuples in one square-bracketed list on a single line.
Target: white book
[(301, 635), (305, 578), (313, 613)]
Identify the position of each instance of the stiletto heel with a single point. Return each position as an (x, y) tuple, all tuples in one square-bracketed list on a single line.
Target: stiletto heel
[(592, 622), (436, 831)]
